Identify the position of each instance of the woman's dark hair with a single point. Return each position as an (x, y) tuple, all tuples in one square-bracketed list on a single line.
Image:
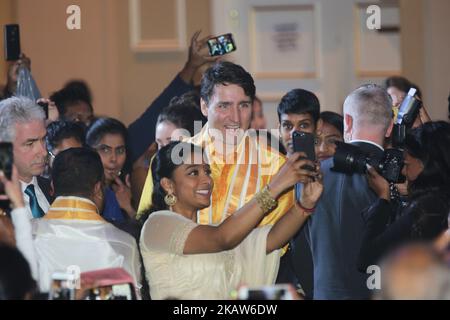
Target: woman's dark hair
[(73, 92), (183, 111), (299, 101), (59, 130), (81, 88), (401, 84), (334, 119), (430, 144), (430, 214), (103, 126), (166, 160), (226, 73), (15, 275)]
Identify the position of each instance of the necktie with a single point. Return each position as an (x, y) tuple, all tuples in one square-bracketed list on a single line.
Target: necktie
[(36, 210)]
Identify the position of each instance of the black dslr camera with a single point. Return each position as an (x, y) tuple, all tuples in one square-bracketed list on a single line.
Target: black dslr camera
[(350, 159), (407, 114)]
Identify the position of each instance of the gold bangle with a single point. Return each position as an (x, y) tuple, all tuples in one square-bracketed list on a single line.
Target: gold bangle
[(265, 201)]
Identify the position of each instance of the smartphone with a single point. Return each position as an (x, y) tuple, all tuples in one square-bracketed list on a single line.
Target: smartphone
[(6, 162), (44, 106), (111, 284), (304, 142), (275, 292), (12, 42), (112, 292), (6, 159), (220, 45)]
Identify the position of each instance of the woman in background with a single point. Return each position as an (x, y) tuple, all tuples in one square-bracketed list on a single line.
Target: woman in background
[(329, 129)]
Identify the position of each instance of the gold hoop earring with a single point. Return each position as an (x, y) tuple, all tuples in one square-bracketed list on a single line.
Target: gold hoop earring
[(170, 199)]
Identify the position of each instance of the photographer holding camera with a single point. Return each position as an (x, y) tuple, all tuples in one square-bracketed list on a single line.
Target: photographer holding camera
[(427, 170), (334, 232)]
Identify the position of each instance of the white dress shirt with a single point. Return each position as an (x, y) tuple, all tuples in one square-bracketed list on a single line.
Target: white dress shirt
[(42, 200), (369, 142)]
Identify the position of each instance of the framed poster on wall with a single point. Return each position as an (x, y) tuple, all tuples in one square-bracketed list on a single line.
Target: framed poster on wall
[(157, 25), (283, 41)]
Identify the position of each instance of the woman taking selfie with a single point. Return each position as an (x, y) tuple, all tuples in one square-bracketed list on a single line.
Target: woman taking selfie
[(185, 260)]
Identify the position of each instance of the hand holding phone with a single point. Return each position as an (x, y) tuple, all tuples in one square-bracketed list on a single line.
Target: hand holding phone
[(220, 45), (10, 189)]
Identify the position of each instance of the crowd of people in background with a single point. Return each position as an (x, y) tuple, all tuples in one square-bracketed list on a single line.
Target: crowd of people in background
[(195, 197)]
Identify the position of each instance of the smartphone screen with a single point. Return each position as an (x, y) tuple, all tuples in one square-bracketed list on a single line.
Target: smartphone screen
[(221, 45), (12, 42)]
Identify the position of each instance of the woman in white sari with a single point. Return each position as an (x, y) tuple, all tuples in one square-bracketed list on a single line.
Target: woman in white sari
[(185, 260)]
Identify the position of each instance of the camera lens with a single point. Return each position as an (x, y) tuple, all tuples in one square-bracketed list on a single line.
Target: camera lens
[(349, 159)]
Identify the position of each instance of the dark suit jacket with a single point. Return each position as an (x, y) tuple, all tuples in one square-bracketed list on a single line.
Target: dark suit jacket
[(141, 133), (334, 232), (46, 188)]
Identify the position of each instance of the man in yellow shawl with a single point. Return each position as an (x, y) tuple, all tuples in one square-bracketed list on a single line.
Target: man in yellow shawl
[(242, 162)]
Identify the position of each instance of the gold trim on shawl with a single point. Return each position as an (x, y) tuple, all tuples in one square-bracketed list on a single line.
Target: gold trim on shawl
[(73, 208)]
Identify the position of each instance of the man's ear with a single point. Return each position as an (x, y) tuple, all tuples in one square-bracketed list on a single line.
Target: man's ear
[(389, 129), (204, 107), (348, 125), (167, 185)]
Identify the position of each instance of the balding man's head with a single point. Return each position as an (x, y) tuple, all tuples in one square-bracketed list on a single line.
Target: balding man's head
[(370, 109)]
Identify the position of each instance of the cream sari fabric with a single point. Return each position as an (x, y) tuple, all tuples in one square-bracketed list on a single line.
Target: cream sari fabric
[(172, 274)]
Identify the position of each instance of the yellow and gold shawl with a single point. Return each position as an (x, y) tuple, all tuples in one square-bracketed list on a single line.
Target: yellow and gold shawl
[(237, 177)]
